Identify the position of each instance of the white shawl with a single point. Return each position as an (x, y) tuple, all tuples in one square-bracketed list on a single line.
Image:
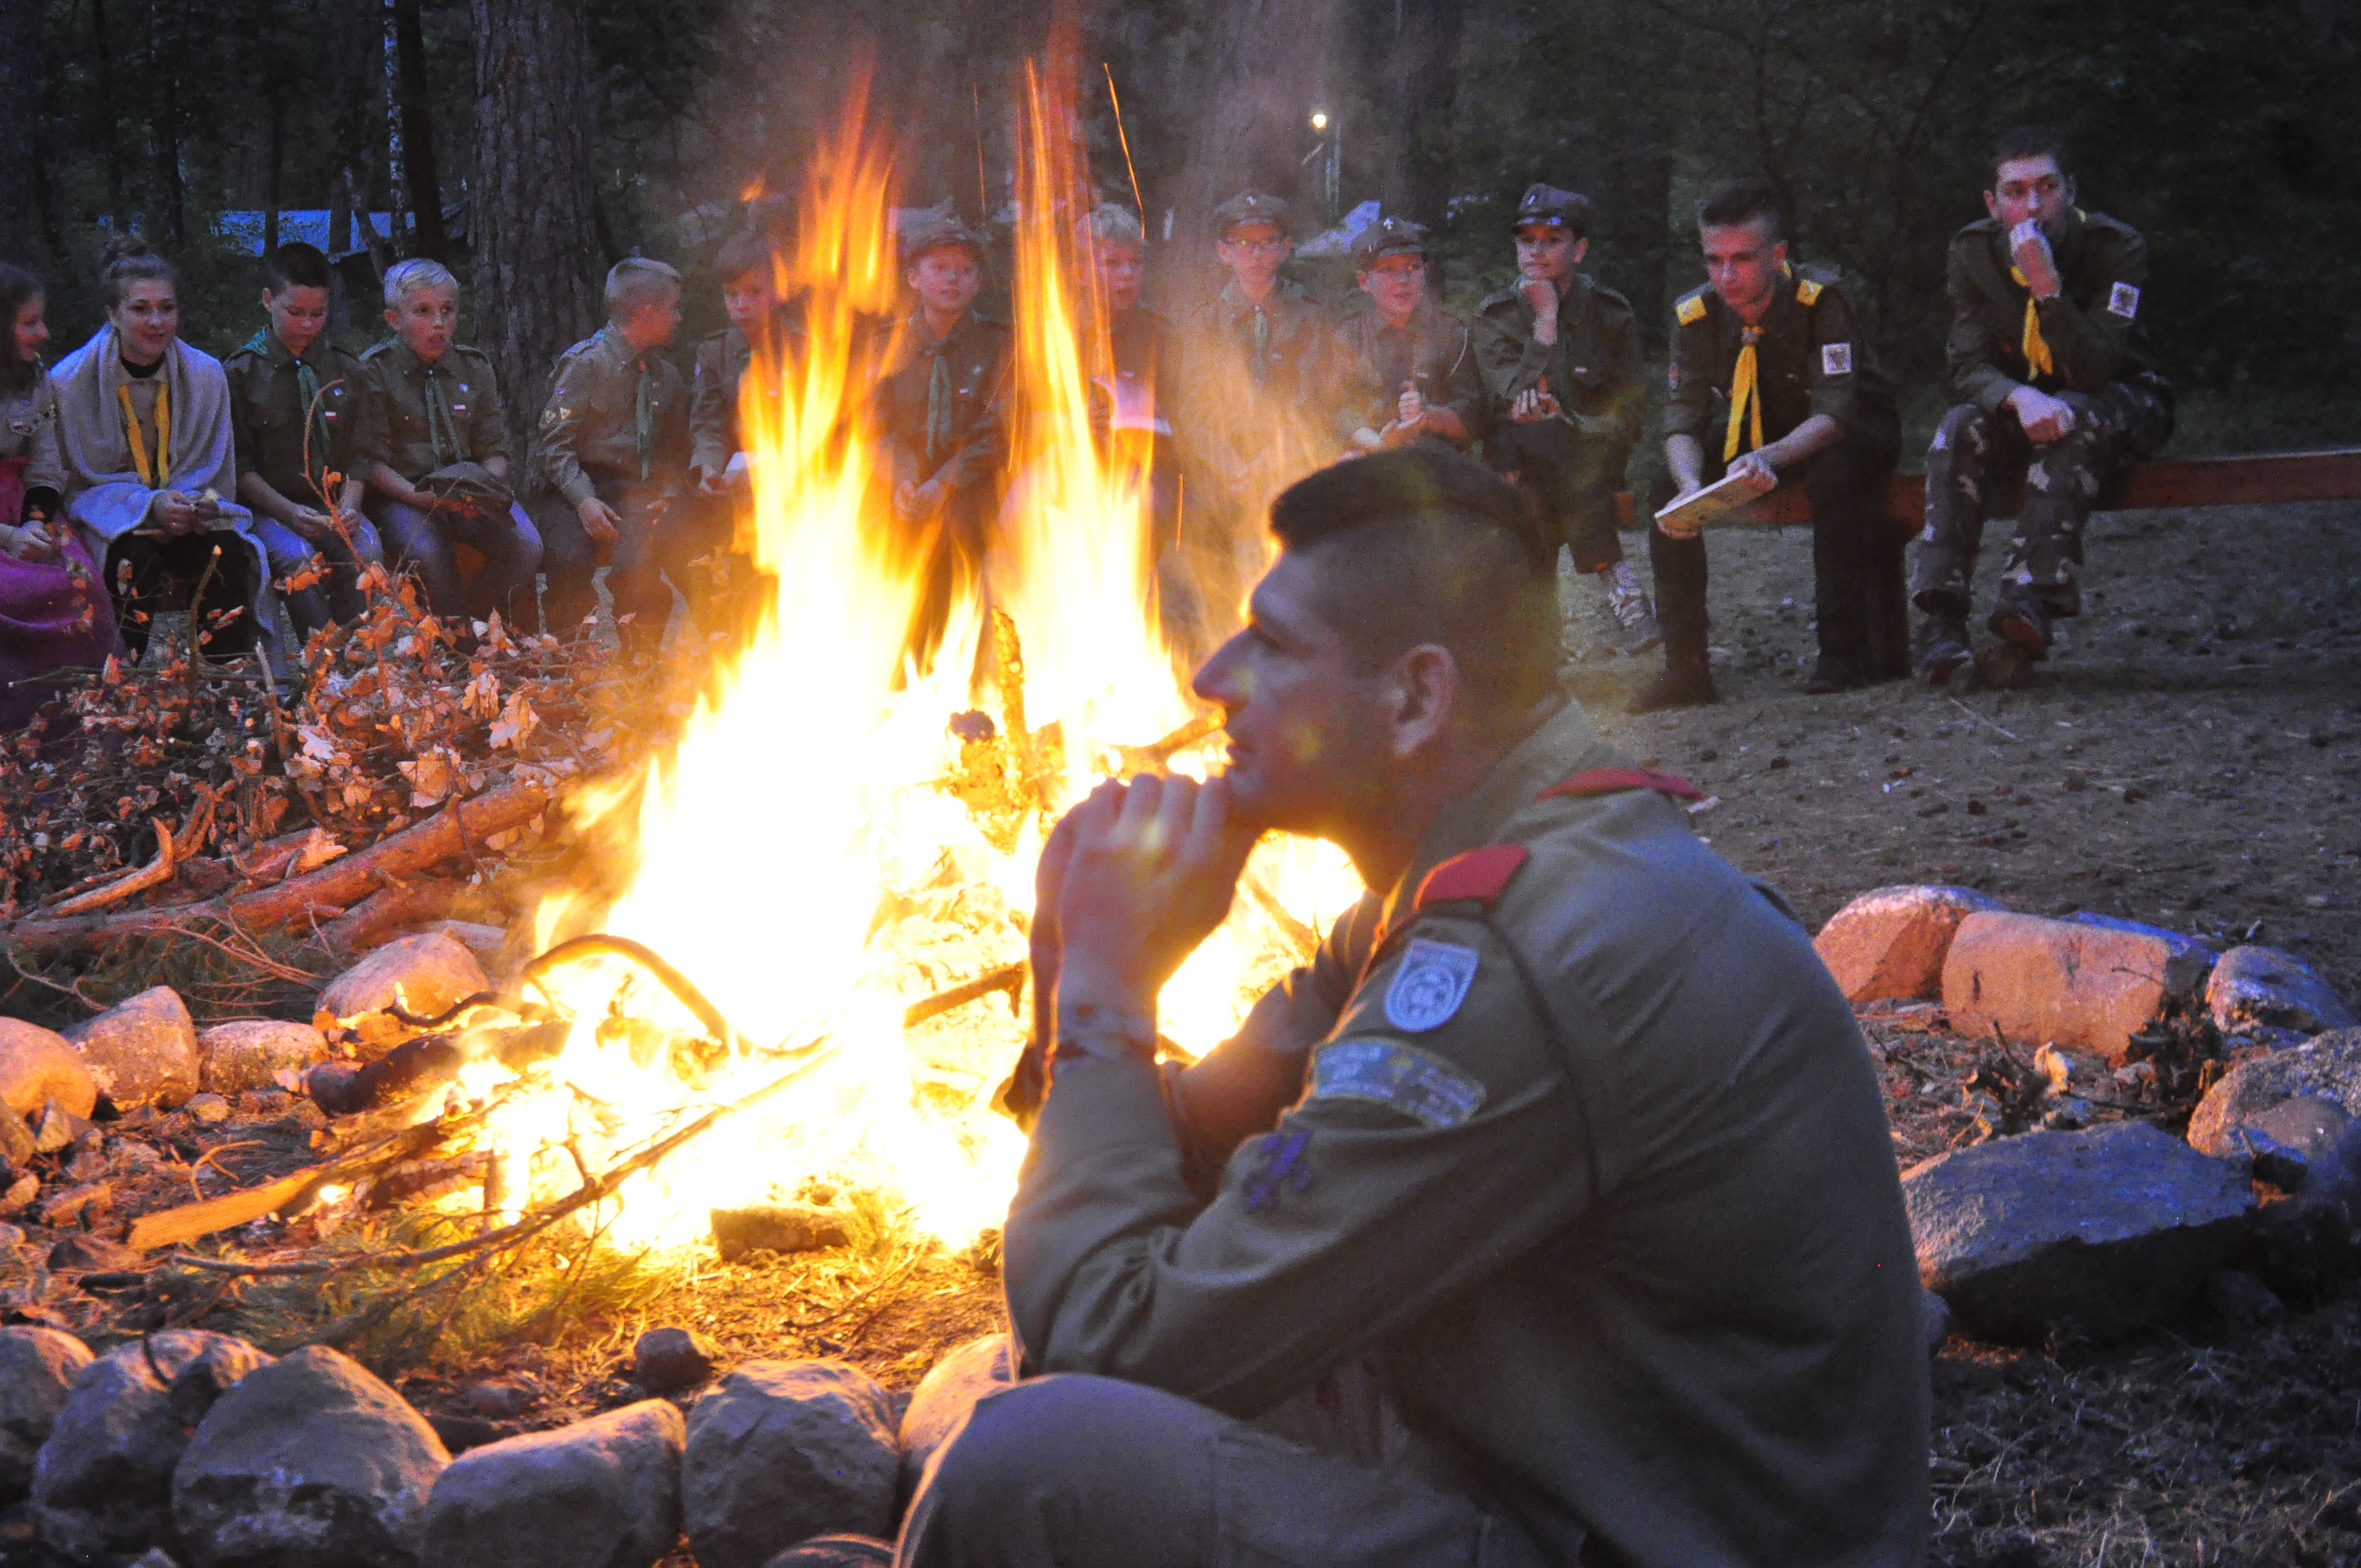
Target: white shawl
[(104, 490)]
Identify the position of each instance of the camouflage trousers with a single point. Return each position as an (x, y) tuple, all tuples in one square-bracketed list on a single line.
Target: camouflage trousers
[(1974, 467)]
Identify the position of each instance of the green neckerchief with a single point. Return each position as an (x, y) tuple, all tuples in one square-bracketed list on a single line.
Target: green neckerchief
[(307, 393), (939, 406), (440, 426)]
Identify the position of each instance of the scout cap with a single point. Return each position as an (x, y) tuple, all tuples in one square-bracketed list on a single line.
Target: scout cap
[(1245, 212), (1553, 208), (937, 230), (471, 483), (1387, 236)]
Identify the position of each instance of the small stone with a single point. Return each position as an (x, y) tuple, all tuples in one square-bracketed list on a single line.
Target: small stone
[(501, 1398), (143, 1052), (57, 1128), (427, 975), (17, 1142), (65, 1208), (209, 1109), (307, 1463), (783, 1451), (2105, 1231), (778, 1227), (11, 1237), (1890, 942), (21, 1194), (37, 1066), (36, 1367), (2082, 987), (945, 1395), (250, 1053), (102, 1482), (86, 1254), (2263, 987), (669, 1359), (603, 1493)]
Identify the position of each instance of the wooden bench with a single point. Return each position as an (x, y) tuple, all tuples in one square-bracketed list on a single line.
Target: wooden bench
[(2268, 479)]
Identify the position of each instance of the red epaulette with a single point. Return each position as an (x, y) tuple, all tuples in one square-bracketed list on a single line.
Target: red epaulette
[(1613, 780), (1480, 874)]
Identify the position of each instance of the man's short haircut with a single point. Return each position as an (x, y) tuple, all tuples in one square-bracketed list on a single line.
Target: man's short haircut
[(2024, 141), (295, 266), (742, 255), (1743, 202), (1425, 544), (636, 281), (404, 279), (1111, 225)]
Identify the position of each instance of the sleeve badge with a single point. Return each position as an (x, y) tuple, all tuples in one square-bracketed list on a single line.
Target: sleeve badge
[(2123, 301), (1836, 360), (1429, 987), (1420, 1084)]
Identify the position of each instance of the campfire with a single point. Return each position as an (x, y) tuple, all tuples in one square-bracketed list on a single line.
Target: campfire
[(789, 986)]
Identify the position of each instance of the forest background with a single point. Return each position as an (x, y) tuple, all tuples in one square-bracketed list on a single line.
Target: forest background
[(529, 143)]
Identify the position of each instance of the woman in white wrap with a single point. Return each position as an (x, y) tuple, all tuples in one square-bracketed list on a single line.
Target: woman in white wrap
[(145, 426)]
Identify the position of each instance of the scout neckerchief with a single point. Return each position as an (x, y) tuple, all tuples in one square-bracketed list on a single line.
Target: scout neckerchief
[(155, 471), (644, 414), (1261, 342), (307, 392), (2036, 348), (440, 426), (939, 405), (1745, 396)]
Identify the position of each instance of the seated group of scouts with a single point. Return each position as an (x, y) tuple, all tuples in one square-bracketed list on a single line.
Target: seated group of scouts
[(160, 454)]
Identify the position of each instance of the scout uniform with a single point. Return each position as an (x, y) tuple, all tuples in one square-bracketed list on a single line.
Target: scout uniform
[(295, 421), (1735, 389), (56, 611), (938, 412), (716, 436), (1573, 1134), (1572, 465), (1372, 360), (2088, 346), (422, 417), (616, 428)]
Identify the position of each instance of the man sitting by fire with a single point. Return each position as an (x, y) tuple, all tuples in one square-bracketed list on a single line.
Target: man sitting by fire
[(1565, 1130)]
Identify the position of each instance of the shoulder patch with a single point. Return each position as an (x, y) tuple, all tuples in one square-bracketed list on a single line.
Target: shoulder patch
[(1614, 781), (1479, 874), (1429, 985), (1691, 309), (2123, 301), (1808, 291), (1836, 360), (1419, 1083)]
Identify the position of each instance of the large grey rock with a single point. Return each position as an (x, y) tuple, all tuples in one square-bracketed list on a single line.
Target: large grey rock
[(426, 974), (2284, 1109), (2264, 989), (36, 1367), (944, 1397), (102, 1483), (1889, 942), (251, 1053), (2104, 1231), (603, 1493), (308, 1463), (2083, 987), (783, 1450), (142, 1052), (37, 1066), (2193, 960)]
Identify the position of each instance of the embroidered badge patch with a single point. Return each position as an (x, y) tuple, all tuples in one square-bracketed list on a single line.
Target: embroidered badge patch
[(1420, 1084), (1431, 984), (1836, 360), (2123, 301)]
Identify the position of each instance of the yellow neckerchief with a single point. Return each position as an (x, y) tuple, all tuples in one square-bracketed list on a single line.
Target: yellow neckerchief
[(154, 473), (2038, 360), (1745, 398)]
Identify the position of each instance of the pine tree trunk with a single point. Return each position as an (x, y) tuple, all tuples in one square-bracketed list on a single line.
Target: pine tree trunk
[(20, 77), (1253, 110), (1424, 83), (421, 173), (533, 217)]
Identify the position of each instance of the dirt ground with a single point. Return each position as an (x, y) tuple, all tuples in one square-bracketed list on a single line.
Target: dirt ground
[(2188, 758)]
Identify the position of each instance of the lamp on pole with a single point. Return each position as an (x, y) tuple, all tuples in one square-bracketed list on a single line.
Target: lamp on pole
[(1331, 133)]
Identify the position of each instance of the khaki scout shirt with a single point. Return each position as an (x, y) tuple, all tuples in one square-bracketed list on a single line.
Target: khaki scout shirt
[(1594, 368), (591, 430), (1371, 361), (267, 409), (966, 448), (28, 429), (2092, 327), (714, 382), (395, 381), (1812, 359), (1238, 403), (1596, 1169)]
